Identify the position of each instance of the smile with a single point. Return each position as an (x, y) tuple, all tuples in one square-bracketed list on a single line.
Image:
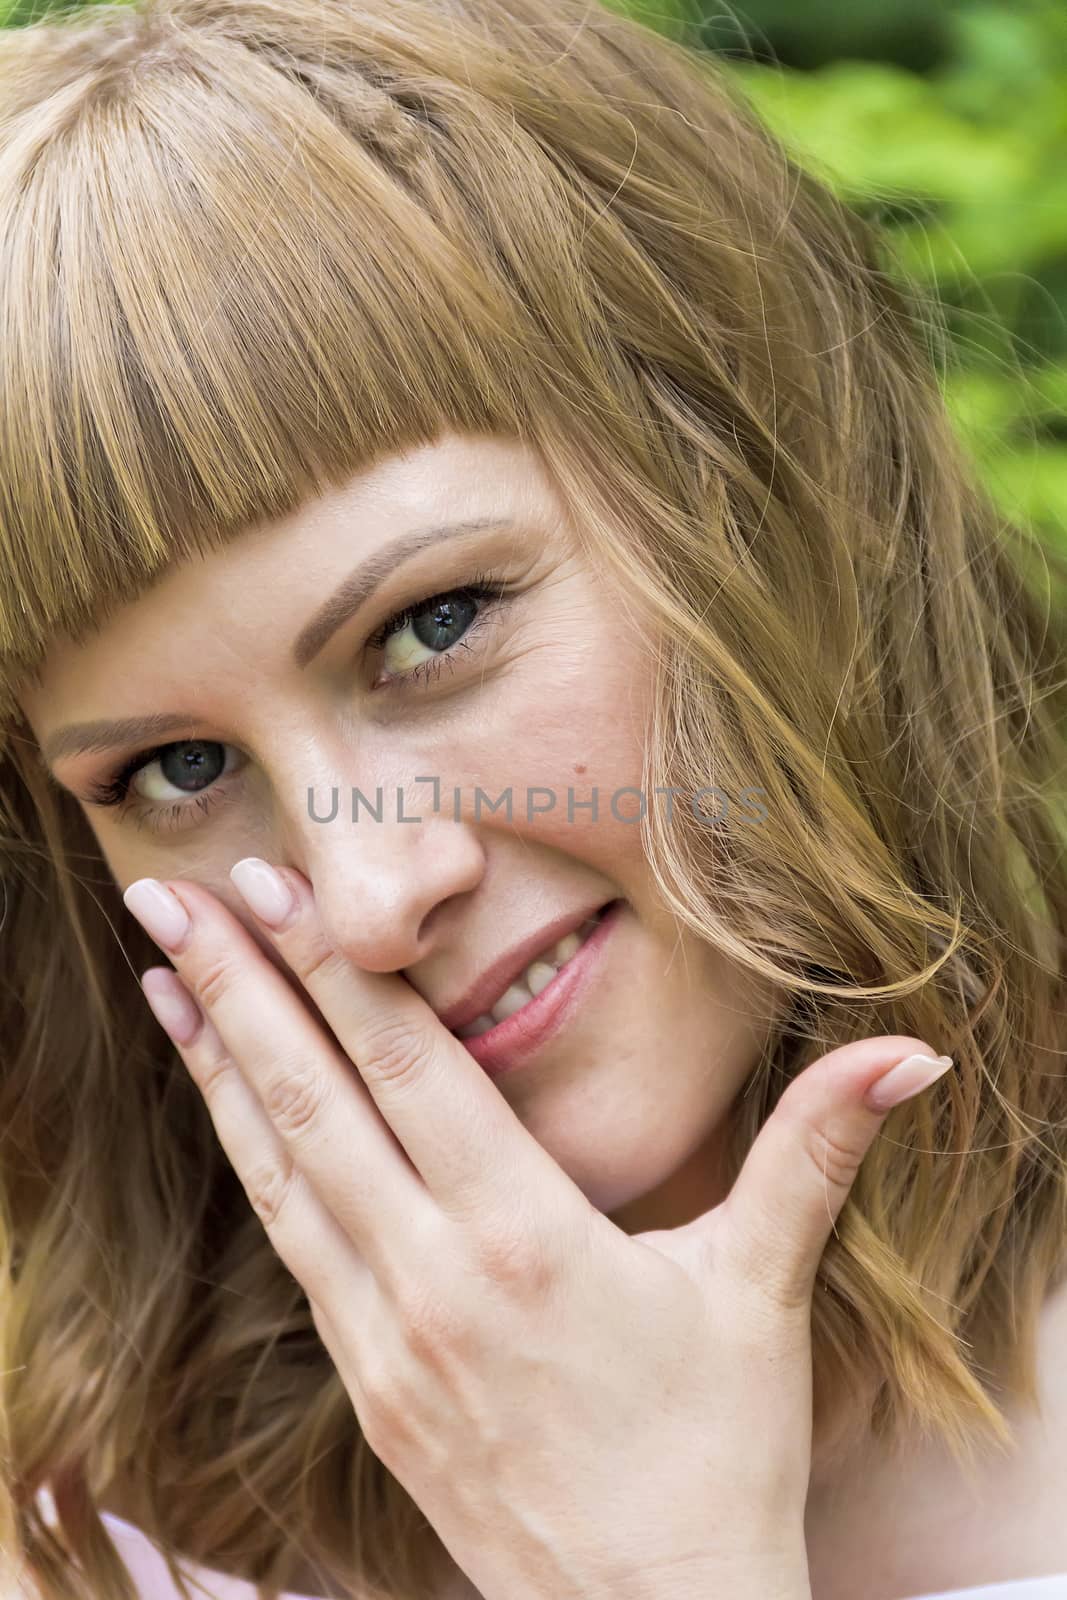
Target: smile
[(529, 1013), (536, 977)]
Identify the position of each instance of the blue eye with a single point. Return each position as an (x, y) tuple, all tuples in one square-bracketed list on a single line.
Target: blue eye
[(190, 765), (422, 636), (419, 640), (187, 765)]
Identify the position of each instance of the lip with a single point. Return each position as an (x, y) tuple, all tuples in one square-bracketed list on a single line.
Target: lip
[(497, 978), (512, 1042)]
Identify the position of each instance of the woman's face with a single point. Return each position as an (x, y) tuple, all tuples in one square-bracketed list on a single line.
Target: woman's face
[(271, 690)]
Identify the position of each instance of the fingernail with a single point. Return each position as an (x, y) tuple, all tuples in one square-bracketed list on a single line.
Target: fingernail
[(171, 1004), (264, 891), (159, 912), (908, 1077)]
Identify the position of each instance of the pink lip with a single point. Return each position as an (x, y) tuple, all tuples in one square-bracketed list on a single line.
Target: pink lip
[(506, 968), (512, 1042)]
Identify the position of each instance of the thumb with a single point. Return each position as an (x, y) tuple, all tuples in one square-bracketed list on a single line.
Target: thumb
[(782, 1207)]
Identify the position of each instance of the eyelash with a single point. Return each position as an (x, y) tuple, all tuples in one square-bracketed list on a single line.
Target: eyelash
[(114, 792)]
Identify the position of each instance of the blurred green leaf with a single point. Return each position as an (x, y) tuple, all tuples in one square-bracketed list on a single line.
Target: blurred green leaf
[(1032, 483), (18, 13), (876, 130)]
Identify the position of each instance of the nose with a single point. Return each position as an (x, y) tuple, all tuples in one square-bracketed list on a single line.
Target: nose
[(386, 889)]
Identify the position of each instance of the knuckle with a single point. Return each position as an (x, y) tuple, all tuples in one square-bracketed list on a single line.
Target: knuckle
[(324, 965), (384, 1405), (431, 1320), (518, 1259), (789, 1294), (270, 1189), (295, 1098), (834, 1150), (213, 1072), (393, 1051), (214, 980)]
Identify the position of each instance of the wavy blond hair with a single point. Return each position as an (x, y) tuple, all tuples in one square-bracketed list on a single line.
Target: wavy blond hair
[(249, 245)]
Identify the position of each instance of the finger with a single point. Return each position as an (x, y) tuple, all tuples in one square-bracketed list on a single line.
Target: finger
[(781, 1210), (310, 1093), (303, 1233), (471, 1150)]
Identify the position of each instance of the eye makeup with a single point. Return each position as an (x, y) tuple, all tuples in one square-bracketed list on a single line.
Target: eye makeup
[(486, 594)]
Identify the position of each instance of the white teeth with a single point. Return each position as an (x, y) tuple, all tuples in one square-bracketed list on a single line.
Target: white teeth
[(510, 1001), (538, 976), (565, 949), (480, 1024)]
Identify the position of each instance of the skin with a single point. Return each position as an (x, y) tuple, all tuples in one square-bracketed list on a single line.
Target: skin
[(552, 692)]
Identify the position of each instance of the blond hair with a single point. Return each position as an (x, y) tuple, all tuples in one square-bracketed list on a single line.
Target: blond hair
[(247, 247)]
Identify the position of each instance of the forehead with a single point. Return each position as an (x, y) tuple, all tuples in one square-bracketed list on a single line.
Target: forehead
[(275, 574)]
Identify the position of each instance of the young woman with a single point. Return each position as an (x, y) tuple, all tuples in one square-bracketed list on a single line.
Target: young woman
[(497, 631)]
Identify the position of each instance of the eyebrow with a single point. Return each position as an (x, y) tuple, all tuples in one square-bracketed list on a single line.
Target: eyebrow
[(358, 587), (81, 738)]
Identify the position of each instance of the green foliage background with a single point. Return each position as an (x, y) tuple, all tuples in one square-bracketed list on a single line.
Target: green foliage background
[(947, 120)]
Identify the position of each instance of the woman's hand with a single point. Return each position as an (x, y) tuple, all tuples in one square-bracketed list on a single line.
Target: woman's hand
[(578, 1412)]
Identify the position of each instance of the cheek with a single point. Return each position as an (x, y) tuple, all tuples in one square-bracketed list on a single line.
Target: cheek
[(127, 859), (562, 728)]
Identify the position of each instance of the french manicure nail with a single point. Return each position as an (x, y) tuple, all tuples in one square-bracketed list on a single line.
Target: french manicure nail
[(159, 912), (908, 1077), (264, 891), (171, 1004)]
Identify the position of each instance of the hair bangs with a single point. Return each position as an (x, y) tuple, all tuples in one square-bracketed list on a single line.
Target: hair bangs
[(217, 304)]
